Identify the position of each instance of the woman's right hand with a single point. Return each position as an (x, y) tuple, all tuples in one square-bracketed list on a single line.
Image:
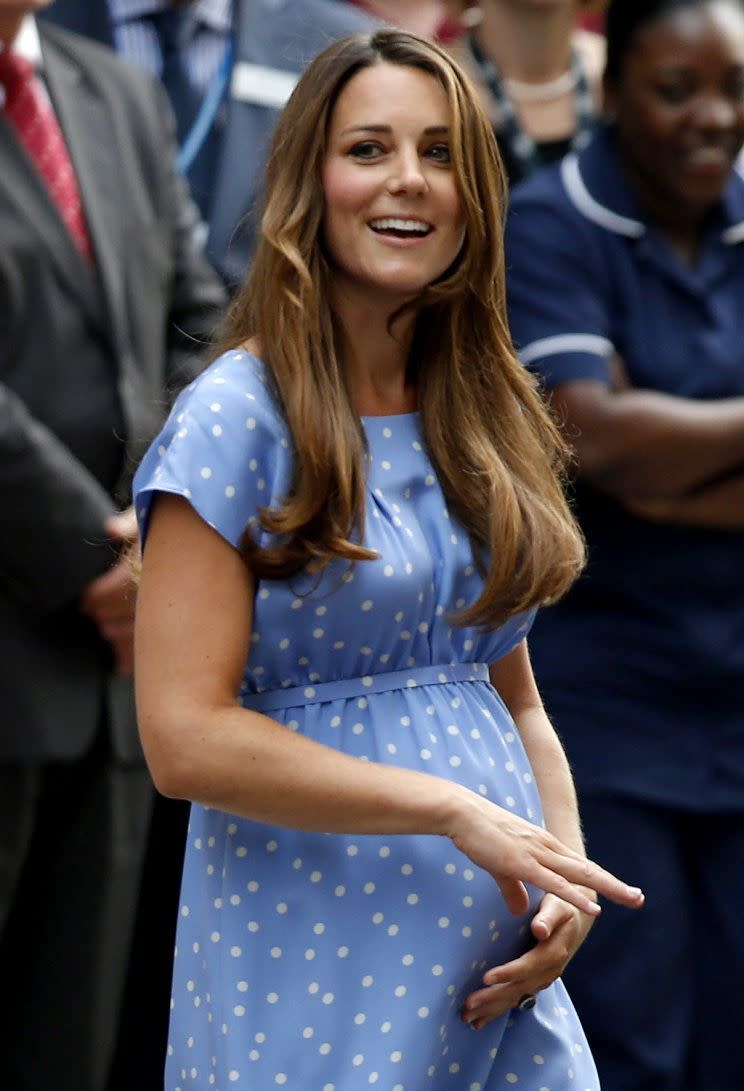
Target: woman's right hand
[(516, 852)]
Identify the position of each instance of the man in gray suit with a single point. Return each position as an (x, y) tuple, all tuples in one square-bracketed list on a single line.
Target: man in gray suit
[(95, 324)]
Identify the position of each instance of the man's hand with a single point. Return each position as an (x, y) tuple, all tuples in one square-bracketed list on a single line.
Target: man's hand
[(109, 600)]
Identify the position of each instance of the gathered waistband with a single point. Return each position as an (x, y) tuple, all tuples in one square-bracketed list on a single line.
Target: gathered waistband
[(348, 688)]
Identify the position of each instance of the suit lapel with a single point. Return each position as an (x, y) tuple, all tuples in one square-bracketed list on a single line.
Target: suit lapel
[(26, 190), (87, 126)]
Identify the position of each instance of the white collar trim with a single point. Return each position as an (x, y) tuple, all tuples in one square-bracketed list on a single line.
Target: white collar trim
[(593, 210), (26, 42)]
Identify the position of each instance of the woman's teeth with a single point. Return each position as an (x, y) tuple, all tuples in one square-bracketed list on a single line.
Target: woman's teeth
[(401, 226)]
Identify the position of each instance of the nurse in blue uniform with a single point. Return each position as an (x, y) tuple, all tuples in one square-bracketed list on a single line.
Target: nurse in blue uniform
[(350, 518), (625, 272)]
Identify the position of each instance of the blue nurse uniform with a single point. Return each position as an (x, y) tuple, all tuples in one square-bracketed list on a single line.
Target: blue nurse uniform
[(642, 665)]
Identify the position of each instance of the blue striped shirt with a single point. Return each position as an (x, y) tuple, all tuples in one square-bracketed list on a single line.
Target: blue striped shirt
[(136, 39)]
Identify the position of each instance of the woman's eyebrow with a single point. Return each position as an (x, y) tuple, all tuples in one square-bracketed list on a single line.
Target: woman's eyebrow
[(430, 130)]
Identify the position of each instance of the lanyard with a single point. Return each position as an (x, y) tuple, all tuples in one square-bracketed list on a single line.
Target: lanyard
[(210, 104), (523, 148)]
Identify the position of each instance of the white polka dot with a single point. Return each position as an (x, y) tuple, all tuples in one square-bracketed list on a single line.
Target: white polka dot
[(234, 1075), (272, 998), (206, 472), (437, 970)]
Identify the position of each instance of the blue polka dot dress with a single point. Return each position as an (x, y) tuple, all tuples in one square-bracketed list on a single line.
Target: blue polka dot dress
[(320, 962)]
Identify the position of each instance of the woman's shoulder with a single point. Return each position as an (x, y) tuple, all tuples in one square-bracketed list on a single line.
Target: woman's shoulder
[(237, 384)]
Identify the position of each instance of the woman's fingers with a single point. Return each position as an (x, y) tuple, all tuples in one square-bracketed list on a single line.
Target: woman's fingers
[(553, 912), (577, 869), (536, 969), (515, 895)]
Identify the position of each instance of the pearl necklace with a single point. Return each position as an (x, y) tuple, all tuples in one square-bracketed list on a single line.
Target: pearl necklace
[(542, 92)]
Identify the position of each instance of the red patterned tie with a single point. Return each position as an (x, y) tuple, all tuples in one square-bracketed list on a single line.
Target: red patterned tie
[(37, 128)]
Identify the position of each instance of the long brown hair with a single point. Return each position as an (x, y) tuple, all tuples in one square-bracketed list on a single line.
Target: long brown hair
[(496, 451)]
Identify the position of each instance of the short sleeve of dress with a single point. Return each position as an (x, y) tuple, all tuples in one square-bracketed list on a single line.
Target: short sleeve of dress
[(224, 448), (557, 287)]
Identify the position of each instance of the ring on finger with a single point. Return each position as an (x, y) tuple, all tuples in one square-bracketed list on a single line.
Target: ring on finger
[(526, 1002)]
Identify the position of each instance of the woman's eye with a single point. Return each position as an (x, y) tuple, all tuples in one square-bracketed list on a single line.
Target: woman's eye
[(736, 88), (440, 153), (366, 149), (674, 93)]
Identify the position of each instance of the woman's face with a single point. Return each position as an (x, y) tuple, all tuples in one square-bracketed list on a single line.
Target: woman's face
[(679, 105), (393, 219)]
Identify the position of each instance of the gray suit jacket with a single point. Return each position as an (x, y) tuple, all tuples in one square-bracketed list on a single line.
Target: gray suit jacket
[(85, 361), (282, 35)]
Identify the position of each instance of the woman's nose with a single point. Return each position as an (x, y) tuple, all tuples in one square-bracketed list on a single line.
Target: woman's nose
[(406, 173), (716, 112)]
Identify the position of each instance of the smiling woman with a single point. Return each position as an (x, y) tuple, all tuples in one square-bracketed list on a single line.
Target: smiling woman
[(350, 519)]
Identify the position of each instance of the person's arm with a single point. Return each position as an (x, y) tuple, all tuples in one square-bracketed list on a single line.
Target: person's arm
[(193, 628), (559, 929), (53, 541), (563, 312), (719, 505), (638, 444)]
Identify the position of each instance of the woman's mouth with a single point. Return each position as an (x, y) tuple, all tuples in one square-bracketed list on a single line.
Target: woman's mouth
[(396, 227)]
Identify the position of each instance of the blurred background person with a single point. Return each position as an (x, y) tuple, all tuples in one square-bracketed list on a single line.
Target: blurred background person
[(625, 272), (103, 289), (229, 66), (539, 74)]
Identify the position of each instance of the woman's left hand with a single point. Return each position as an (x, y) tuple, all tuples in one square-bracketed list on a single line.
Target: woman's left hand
[(559, 929)]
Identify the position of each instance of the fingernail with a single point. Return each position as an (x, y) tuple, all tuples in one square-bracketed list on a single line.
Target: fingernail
[(595, 908), (635, 891)]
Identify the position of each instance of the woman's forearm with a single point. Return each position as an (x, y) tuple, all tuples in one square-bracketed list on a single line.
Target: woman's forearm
[(637, 444), (719, 504), (247, 764), (552, 776)]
